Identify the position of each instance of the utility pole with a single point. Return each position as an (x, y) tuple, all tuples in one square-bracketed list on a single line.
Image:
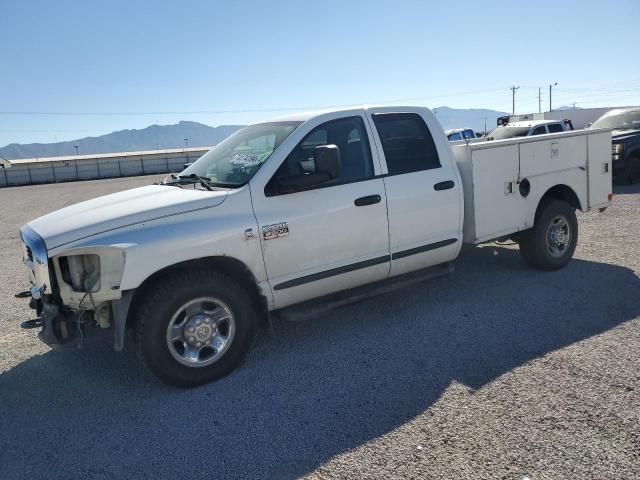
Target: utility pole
[(513, 98), (485, 124), (539, 100), (76, 147), (550, 86), (156, 134)]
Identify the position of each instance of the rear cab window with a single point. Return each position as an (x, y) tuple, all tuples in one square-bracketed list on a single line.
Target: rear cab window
[(541, 130), (555, 128), (407, 143)]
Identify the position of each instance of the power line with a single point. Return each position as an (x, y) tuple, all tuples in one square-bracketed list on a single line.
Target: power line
[(254, 110)]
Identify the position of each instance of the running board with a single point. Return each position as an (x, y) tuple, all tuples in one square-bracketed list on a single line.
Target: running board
[(313, 308)]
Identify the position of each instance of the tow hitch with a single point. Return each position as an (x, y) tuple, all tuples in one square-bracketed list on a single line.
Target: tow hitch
[(35, 323), (57, 327)]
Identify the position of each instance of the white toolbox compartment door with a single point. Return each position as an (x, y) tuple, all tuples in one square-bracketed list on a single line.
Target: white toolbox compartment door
[(497, 203), (599, 168)]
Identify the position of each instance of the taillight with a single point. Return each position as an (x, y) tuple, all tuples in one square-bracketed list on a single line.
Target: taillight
[(610, 196)]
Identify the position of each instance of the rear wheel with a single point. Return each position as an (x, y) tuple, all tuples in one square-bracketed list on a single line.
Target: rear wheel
[(195, 327), (550, 244)]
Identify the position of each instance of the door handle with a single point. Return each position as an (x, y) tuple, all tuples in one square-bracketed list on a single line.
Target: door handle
[(368, 200), (444, 185)]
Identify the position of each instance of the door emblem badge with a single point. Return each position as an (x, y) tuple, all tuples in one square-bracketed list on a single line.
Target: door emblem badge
[(275, 230)]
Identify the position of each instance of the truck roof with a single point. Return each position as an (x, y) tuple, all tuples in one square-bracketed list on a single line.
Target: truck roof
[(617, 111), (308, 115), (454, 130), (532, 123)]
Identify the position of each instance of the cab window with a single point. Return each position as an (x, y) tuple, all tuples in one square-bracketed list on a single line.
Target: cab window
[(541, 130), (348, 135), (407, 143), (555, 128)]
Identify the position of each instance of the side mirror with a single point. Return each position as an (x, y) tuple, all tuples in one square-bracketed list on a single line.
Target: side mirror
[(327, 160), (326, 166)]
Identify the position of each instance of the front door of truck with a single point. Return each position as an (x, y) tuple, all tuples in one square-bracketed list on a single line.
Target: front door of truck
[(424, 195), (326, 237)]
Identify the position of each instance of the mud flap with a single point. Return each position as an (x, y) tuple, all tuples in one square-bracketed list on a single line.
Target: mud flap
[(120, 310)]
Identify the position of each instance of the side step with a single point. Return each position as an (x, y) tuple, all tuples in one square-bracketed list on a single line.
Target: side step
[(317, 306)]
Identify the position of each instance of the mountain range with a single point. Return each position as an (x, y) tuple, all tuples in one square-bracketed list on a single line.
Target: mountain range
[(150, 138), (199, 135)]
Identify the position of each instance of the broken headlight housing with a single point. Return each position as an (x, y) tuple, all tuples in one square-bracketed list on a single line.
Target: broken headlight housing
[(81, 272)]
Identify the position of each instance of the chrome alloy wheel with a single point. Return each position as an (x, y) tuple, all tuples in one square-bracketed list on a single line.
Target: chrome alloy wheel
[(201, 331), (558, 236)]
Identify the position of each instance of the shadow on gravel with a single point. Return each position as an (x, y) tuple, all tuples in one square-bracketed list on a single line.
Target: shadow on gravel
[(312, 390)]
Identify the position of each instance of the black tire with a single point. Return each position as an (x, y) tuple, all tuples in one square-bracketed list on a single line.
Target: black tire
[(631, 173), (158, 308), (536, 245)]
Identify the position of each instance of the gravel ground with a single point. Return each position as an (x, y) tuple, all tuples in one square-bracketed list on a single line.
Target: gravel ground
[(497, 371)]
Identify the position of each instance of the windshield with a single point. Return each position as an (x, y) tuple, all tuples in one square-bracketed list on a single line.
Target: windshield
[(501, 133), (619, 121), (236, 159)]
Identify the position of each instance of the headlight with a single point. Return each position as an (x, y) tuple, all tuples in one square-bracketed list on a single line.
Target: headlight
[(617, 148), (81, 272)]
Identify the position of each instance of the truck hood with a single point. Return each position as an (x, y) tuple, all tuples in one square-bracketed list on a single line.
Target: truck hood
[(120, 209), (622, 135)]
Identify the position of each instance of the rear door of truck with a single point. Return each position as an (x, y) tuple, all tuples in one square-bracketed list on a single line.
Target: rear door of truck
[(422, 185)]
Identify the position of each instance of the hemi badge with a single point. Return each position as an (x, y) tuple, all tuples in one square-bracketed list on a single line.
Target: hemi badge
[(276, 230)]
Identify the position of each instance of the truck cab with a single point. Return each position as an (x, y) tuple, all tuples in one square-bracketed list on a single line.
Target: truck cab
[(625, 126), (527, 129), (457, 134)]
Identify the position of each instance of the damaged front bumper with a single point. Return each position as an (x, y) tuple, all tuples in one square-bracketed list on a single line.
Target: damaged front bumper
[(66, 304)]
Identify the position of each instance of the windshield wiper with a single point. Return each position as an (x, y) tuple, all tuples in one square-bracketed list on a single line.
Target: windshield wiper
[(193, 177)]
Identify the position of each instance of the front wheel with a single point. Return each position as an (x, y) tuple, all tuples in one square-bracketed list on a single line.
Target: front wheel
[(550, 244), (194, 327)]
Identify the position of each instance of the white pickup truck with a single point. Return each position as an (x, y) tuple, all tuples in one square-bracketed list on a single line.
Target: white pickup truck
[(295, 215)]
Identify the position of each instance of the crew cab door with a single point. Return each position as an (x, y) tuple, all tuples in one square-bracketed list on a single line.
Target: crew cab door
[(423, 186), (332, 236)]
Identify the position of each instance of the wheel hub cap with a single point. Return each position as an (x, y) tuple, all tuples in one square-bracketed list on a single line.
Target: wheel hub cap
[(200, 332), (558, 236)]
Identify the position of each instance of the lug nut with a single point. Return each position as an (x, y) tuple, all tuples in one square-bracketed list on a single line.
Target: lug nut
[(192, 329)]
